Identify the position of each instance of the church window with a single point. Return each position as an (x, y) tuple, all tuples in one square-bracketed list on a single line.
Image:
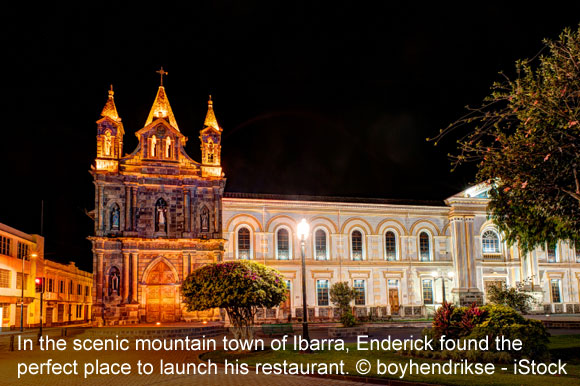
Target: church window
[(168, 147), (356, 245), (210, 152), (490, 242), (153, 145), (322, 292), (390, 246), (161, 216), (320, 247), (204, 219), (283, 244), (244, 244), (360, 292), (424, 246), (108, 143), (115, 216)]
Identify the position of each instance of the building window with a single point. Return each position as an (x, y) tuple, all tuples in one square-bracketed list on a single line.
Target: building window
[(115, 216), (167, 147), (50, 285), (322, 292), (86, 290), (283, 244), (577, 251), (424, 247), (61, 287), (320, 250), (552, 252), (153, 145), (79, 289), (19, 281), (70, 287), (490, 242), (244, 244), (390, 246), (23, 252), (356, 245), (556, 293), (427, 291), (4, 278), (360, 293), (5, 245)]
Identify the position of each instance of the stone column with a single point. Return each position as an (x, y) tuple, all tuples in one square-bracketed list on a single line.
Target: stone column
[(134, 208), (127, 225), (466, 291), (126, 269), (134, 271), (185, 210), (99, 277)]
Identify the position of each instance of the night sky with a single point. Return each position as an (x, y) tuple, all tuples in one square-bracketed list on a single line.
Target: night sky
[(332, 99)]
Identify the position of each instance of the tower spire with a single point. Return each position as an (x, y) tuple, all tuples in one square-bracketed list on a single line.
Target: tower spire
[(161, 107), (210, 119), (110, 110)]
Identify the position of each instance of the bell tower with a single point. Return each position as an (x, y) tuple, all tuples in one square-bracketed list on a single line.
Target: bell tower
[(109, 136), (211, 148)]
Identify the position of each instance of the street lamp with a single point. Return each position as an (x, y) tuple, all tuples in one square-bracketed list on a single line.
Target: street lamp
[(440, 275), (303, 230)]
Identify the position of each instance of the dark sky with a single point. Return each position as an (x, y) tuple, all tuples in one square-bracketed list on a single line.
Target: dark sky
[(332, 99)]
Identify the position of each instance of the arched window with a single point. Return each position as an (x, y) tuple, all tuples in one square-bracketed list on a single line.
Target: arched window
[(356, 245), (424, 246), (115, 216), (283, 244), (108, 143), (204, 219), (490, 242), (153, 145), (320, 248), (161, 216), (210, 152), (390, 246), (244, 244), (168, 147)]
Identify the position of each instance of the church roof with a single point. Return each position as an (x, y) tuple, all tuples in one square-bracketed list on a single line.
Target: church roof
[(110, 110), (161, 109), (210, 119)]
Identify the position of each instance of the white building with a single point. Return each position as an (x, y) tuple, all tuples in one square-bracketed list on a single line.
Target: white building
[(394, 253)]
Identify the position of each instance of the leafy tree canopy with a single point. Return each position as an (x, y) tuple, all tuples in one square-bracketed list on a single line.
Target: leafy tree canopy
[(525, 138), (239, 287)]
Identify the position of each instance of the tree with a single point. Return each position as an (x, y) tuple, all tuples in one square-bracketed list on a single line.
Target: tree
[(515, 297), (239, 287), (341, 294), (525, 138)]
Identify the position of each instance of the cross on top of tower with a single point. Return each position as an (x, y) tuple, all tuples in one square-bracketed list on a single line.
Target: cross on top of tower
[(161, 72)]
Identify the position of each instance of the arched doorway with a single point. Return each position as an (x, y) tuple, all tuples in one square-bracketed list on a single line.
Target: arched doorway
[(162, 294)]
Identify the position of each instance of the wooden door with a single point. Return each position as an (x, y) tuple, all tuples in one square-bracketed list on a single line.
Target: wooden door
[(49, 316), (61, 313), (25, 313), (394, 300), (162, 301)]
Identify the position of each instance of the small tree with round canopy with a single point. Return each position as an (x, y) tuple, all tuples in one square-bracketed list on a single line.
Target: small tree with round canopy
[(239, 287)]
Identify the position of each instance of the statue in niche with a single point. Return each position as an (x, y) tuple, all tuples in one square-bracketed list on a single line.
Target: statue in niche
[(167, 147), (108, 143), (204, 219), (115, 215), (114, 278), (161, 216)]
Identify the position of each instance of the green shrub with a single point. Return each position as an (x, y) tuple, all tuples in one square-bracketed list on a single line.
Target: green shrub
[(347, 319)]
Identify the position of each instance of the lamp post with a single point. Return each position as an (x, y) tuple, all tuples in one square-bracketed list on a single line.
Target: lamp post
[(303, 229), (440, 275)]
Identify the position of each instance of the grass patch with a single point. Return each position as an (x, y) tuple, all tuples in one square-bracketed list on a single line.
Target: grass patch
[(566, 348)]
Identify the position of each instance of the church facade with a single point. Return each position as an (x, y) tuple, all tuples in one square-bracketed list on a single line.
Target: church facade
[(159, 215)]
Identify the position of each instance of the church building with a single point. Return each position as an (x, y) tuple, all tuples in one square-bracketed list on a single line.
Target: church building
[(159, 215)]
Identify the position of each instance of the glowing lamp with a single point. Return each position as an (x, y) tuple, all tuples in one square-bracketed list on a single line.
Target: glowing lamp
[(158, 324), (303, 229), (204, 322), (34, 255), (434, 273)]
